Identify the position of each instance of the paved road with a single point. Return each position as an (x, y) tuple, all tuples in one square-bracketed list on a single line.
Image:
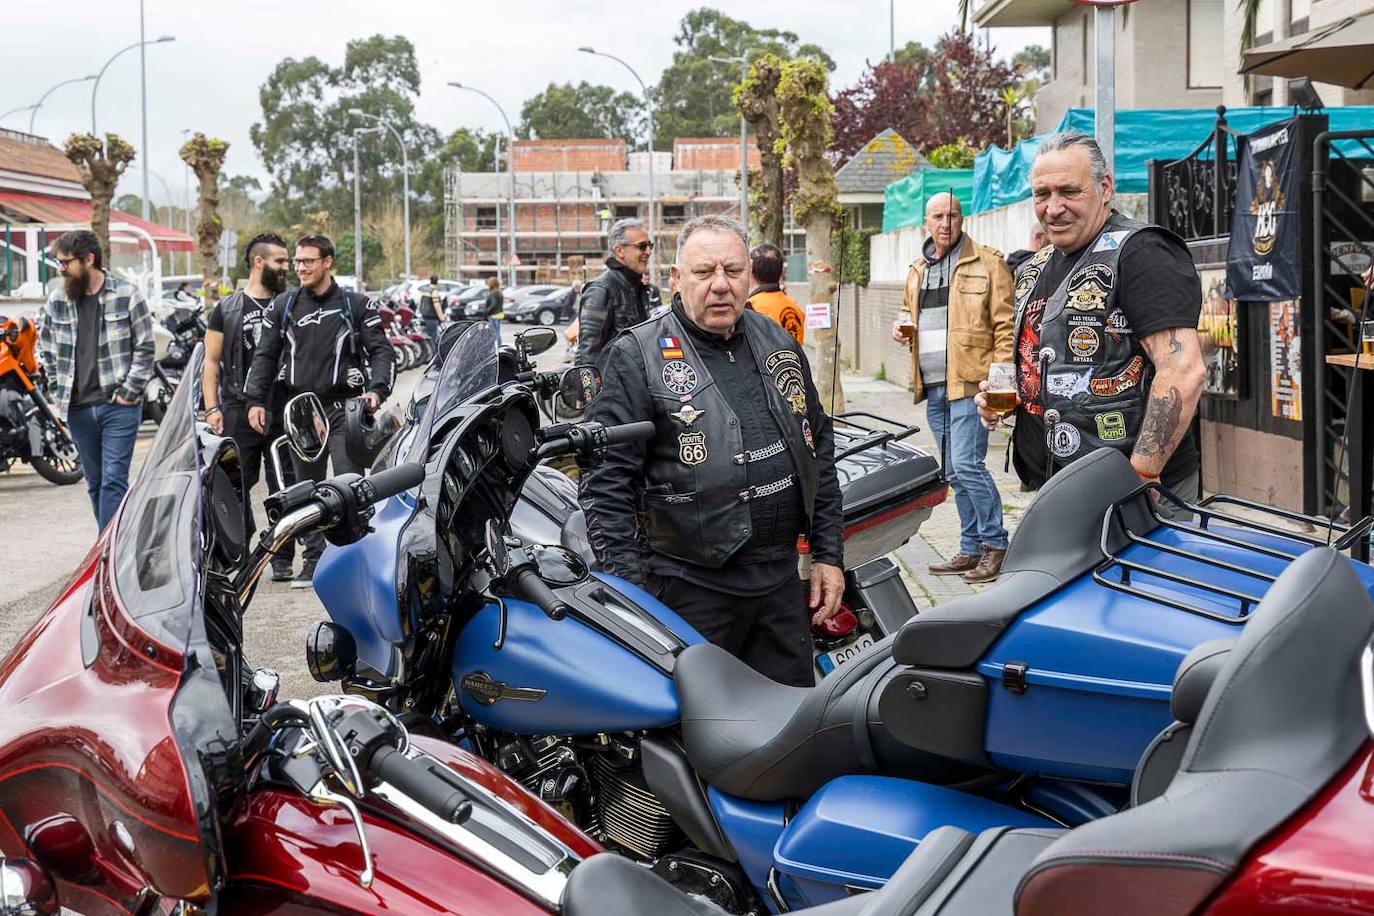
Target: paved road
[(46, 530)]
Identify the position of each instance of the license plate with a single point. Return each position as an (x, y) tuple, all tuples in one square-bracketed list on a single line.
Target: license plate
[(833, 659)]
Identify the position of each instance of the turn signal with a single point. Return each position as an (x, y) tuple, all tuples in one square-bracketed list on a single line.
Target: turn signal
[(330, 653)]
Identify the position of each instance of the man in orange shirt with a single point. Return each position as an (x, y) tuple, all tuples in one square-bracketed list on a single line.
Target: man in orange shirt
[(765, 291)]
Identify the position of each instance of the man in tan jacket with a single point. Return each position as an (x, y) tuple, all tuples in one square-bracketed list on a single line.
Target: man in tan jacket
[(958, 300)]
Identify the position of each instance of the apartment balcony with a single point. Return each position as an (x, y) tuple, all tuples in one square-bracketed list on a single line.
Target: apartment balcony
[(992, 14)]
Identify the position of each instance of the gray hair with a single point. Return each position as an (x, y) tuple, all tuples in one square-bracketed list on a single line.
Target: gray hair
[(712, 221), (620, 231), (1067, 139)]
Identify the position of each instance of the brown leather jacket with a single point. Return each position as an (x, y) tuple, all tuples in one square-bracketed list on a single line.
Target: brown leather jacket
[(980, 318)]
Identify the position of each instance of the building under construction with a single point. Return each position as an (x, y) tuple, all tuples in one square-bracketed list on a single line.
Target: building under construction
[(568, 193)]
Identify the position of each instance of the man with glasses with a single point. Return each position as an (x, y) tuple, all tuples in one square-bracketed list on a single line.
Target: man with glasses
[(95, 338), (330, 342), (620, 297)]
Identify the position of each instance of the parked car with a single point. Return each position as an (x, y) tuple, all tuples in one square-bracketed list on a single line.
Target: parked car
[(467, 303), (555, 305)]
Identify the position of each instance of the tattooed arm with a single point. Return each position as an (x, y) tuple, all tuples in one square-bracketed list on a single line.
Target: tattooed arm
[(1172, 399)]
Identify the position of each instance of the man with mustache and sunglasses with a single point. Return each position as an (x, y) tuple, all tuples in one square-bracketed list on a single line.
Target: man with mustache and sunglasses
[(619, 298), (234, 328)]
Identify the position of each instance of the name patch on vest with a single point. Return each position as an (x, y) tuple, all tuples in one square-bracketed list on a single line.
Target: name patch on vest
[(691, 448), (678, 377), (1090, 287), (1125, 380), (792, 388), (778, 357), (1063, 439)]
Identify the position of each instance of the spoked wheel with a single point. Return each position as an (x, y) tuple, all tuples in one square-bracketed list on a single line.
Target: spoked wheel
[(60, 463)]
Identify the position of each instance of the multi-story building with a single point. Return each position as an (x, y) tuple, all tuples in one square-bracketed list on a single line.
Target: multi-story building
[(567, 193), (1169, 53)]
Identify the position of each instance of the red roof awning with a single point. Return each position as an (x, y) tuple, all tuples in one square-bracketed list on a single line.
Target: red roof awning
[(42, 208)]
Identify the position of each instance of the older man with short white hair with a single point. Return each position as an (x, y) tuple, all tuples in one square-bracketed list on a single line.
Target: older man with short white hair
[(958, 304), (620, 296)]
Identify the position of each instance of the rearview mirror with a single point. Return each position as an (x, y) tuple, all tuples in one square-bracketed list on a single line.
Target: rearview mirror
[(307, 426), (578, 387), (536, 340)]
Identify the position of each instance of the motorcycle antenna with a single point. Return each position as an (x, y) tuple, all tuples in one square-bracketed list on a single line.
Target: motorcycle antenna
[(1343, 452), (839, 284)]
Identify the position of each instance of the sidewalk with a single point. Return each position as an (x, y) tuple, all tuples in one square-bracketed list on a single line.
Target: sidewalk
[(938, 538)]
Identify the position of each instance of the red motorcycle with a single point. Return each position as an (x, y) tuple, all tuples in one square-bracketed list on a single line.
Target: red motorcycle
[(409, 326), (146, 768), (408, 353)]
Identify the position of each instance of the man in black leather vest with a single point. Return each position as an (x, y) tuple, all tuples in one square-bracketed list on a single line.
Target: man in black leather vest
[(707, 514), (230, 339), (1106, 344)]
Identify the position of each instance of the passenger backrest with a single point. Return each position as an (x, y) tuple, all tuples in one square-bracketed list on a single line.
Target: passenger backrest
[(1282, 718)]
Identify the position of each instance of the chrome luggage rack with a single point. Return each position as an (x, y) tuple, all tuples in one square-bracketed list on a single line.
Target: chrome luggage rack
[(1206, 514), (872, 435)]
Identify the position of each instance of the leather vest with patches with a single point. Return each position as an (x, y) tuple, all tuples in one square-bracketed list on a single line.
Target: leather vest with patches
[(1093, 388), (696, 491)]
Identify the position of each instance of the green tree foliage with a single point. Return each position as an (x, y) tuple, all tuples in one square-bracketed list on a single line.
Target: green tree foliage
[(694, 95), (564, 110), (343, 254), (957, 155), (1032, 62)]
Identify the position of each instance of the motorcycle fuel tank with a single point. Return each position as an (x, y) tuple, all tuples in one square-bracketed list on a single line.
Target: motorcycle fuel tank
[(606, 667)]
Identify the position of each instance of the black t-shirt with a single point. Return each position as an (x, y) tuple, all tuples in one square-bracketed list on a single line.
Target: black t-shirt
[(1158, 289), (86, 388), (251, 321)]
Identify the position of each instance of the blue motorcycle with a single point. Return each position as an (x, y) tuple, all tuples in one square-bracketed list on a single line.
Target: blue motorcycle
[(1028, 705)]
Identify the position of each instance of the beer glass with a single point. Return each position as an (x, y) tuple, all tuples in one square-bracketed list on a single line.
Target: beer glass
[(1001, 392), (906, 326), (1367, 338)]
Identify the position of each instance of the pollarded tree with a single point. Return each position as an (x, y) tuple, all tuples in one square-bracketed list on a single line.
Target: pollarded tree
[(205, 156), (757, 99), (100, 165), (805, 116)]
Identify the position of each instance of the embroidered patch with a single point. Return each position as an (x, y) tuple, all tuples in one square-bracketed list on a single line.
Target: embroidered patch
[(1127, 379), (679, 378), (1090, 287), (778, 357), (670, 347), (1110, 241), (1025, 281), (691, 448), (687, 415), (1117, 325), (1068, 384), (792, 388), (806, 434), (1111, 426), (1063, 439), (1083, 343)]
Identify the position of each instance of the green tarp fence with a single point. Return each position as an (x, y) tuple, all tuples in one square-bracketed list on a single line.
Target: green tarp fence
[(904, 202)]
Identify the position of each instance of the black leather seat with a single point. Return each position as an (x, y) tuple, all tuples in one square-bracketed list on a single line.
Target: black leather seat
[(1282, 715), (1058, 539)]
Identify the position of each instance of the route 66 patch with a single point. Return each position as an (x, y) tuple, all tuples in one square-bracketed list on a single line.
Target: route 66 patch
[(691, 448), (679, 377)]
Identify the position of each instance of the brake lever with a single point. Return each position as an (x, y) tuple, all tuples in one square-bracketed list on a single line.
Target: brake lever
[(322, 794)]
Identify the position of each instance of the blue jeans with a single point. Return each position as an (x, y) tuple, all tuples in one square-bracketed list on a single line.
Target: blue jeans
[(104, 435), (496, 326), (432, 329), (963, 445)]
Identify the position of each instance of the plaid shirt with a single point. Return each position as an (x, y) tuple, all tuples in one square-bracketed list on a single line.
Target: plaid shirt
[(125, 348)]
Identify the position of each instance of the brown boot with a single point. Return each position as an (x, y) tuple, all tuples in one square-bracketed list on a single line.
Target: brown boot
[(989, 567), (956, 565)]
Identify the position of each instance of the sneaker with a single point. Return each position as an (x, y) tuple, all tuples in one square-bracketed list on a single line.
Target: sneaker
[(306, 577), (956, 565), (988, 569), (281, 571)]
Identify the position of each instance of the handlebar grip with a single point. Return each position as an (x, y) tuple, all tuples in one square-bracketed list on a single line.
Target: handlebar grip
[(377, 487), (630, 432), (417, 779), (528, 583)]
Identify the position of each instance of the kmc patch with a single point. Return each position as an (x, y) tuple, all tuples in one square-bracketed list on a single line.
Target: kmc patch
[(1111, 426), (1125, 380), (1083, 343), (1063, 439), (792, 388), (1090, 287), (678, 377), (691, 448)]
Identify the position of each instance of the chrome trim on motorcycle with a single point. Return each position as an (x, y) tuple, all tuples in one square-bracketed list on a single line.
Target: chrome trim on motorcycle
[(322, 794), (286, 528), (1367, 686)]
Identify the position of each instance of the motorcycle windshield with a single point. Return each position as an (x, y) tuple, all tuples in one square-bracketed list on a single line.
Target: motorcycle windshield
[(470, 368)]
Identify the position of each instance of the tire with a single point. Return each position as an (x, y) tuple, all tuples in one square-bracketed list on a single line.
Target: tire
[(547, 317), (154, 410), (60, 464)]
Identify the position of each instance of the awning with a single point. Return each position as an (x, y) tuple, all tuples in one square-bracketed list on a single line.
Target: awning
[(42, 208), (1341, 53)]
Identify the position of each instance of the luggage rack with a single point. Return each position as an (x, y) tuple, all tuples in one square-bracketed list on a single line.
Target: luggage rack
[(1206, 515), (873, 435)]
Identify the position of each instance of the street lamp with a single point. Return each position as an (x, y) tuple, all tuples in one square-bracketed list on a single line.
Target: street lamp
[(17, 110), (358, 202), (44, 97), (743, 141), (405, 177), (144, 92), (649, 103), (186, 174), (101, 74), (510, 169)]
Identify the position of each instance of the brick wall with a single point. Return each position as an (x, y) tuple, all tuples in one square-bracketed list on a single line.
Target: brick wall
[(865, 328), (711, 153), (568, 155)]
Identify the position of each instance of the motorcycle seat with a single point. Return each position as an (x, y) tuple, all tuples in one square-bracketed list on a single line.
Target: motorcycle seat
[(1279, 716), (1059, 538), (748, 735)]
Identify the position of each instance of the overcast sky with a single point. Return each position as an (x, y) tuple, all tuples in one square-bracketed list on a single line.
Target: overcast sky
[(208, 79)]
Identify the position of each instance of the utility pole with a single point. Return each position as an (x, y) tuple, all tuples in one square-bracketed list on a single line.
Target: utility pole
[(891, 31), (1104, 121), (143, 97), (743, 142), (405, 179), (510, 167), (358, 203)]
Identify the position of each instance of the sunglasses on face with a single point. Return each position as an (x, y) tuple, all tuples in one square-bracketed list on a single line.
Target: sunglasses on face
[(642, 246)]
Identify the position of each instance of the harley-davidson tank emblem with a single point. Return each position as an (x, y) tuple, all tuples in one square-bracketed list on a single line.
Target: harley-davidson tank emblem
[(481, 687)]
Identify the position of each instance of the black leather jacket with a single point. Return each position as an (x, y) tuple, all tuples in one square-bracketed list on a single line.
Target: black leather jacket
[(612, 302)]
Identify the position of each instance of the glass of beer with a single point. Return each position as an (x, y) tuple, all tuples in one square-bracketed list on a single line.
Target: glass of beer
[(1001, 394), (906, 327), (1367, 338)]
